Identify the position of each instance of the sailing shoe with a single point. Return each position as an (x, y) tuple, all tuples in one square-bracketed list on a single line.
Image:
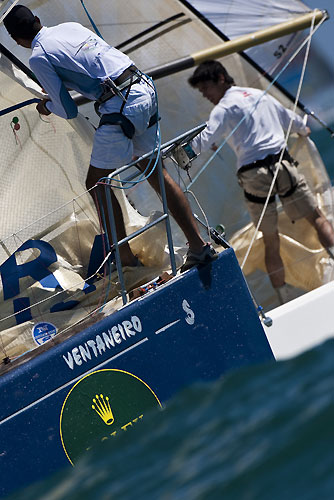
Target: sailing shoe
[(208, 254)]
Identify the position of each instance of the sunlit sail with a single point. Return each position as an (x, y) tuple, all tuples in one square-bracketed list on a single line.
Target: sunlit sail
[(44, 160)]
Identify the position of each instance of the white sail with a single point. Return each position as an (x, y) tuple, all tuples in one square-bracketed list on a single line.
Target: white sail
[(235, 18), (44, 163)]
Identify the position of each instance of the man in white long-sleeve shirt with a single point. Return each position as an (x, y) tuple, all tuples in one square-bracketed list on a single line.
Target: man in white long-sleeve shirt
[(69, 56), (258, 122)]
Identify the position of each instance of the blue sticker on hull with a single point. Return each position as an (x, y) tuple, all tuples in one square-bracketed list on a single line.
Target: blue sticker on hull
[(42, 332)]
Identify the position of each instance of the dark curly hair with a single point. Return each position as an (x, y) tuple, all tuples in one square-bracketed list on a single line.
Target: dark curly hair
[(210, 71)]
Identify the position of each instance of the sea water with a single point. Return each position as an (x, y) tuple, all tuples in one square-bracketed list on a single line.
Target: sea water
[(262, 432), (325, 145)]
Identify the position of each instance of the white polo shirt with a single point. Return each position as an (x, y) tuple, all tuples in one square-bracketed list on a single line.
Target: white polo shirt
[(263, 121), (70, 56)]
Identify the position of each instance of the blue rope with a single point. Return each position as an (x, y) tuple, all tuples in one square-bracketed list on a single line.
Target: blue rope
[(157, 144), (96, 29)]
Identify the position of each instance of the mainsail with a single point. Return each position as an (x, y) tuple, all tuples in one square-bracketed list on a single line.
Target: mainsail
[(236, 18), (46, 213)]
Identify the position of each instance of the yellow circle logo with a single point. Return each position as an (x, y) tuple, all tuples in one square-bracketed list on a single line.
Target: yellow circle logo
[(100, 406)]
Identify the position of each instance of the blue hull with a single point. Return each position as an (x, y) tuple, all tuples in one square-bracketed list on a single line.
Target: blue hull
[(101, 381)]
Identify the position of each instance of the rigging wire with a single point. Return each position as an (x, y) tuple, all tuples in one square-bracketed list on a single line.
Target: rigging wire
[(8, 10), (284, 147), (191, 193), (294, 55)]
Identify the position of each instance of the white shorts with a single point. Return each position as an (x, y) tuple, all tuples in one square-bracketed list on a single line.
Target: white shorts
[(111, 148)]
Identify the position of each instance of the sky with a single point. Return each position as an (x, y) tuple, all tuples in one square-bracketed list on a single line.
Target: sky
[(324, 37), (319, 75)]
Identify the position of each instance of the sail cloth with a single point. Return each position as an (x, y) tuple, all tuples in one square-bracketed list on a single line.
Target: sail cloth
[(300, 247), (49, 246), (235, 18), (44, 164)]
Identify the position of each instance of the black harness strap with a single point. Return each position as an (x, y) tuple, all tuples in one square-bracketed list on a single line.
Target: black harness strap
[(268, 162), (124, 122), (258, 199), (154, 119), (121, 120), (290, 191), (127, 79)]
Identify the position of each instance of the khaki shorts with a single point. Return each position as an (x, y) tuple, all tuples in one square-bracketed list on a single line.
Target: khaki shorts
[(257, 182)]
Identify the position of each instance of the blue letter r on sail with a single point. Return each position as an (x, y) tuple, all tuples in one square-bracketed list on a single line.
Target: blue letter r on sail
[(11, 272)]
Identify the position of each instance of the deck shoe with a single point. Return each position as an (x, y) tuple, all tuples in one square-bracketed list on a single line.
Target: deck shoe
[(208, 254)]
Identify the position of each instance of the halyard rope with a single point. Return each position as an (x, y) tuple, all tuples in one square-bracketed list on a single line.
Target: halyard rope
[(294, 55), (309, 38)]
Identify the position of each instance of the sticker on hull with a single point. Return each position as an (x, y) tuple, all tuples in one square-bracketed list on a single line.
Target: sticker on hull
[(102, 405)]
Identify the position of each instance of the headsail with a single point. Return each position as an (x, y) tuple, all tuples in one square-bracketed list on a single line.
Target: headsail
[(44, 163)]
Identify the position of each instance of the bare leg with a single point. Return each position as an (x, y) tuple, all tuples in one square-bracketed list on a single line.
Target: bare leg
[(93, 176), (273, 261), (179, 208), (323, 227)]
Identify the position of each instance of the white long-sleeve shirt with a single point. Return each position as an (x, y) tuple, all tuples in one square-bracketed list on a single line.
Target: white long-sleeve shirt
[(261, 131), (70, 56)]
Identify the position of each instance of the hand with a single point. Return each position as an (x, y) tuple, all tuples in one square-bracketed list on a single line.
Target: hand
[(42, 109), (306, 133)]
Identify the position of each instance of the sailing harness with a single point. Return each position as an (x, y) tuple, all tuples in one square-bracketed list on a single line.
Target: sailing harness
[(111, 88), (269, 162)]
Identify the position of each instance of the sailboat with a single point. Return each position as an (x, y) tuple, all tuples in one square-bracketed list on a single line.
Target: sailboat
[(87, 352)]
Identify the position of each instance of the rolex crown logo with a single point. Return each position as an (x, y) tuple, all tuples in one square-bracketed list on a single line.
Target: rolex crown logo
[(102, 407)]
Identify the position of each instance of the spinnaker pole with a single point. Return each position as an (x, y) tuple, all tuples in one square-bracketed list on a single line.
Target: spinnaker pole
[(239, 44)]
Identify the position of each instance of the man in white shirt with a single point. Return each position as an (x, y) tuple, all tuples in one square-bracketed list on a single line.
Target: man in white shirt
[(69, 56), (258, 122)]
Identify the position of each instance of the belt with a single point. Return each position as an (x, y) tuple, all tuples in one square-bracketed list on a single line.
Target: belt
[(114, 87), (267, 161), (131, 71)]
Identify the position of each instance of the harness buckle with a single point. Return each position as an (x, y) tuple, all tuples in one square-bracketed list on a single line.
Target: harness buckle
[(110, 89)]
